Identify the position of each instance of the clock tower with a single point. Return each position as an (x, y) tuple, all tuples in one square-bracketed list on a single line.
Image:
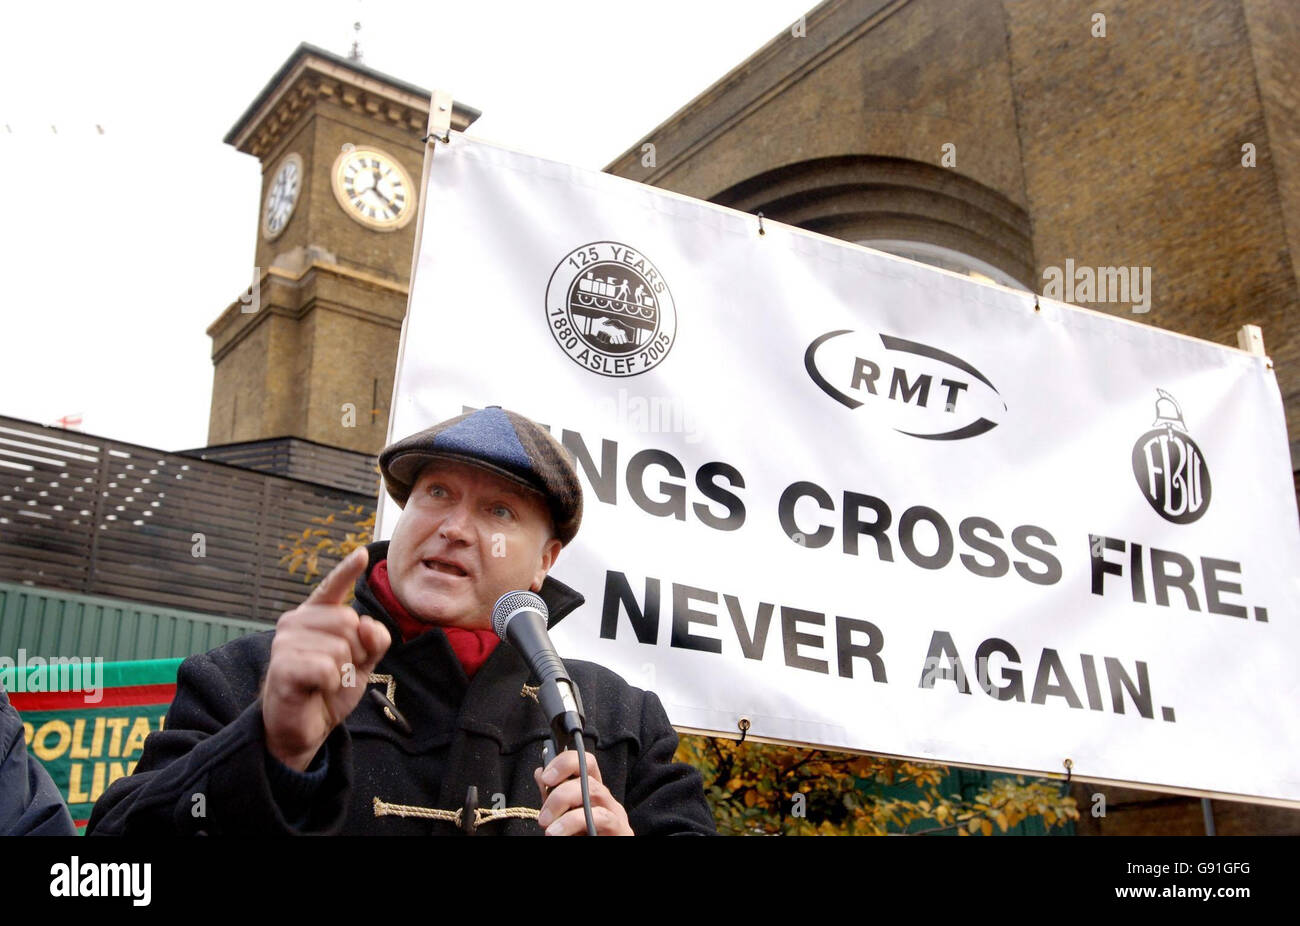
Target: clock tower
[(309, 351)]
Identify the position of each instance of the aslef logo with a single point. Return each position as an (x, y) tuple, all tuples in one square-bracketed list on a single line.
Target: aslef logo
[(610, 309), (1170, 469), (917, 389)]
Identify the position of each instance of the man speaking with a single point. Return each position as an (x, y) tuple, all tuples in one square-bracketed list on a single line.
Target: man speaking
[(404, 713)]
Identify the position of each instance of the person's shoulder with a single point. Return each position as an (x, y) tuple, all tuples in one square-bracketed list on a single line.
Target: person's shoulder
[(593, 673), (241, 649), (619, 709), (241, 659)]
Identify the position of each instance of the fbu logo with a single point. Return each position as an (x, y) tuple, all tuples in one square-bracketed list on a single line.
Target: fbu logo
[(1170, 468)]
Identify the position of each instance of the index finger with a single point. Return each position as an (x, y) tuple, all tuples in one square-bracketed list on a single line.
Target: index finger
[(333, 589)]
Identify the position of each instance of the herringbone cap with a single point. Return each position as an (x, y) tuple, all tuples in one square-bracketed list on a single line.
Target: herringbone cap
[(497, 440)]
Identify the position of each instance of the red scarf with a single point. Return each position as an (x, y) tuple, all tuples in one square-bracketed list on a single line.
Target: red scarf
[(472, 647)]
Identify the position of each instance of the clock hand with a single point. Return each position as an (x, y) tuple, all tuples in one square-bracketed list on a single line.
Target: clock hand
[(361, 192), (379, 194), (378, 180)]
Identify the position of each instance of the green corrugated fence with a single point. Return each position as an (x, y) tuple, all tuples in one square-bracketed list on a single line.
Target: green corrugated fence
[(48, 622)]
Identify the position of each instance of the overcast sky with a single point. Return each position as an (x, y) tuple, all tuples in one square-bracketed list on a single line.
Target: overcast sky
[(119, 249)]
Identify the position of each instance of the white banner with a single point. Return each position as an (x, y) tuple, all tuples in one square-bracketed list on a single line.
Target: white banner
[(869, 504)]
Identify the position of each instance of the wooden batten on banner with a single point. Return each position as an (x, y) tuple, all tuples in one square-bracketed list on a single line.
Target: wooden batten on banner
[(439, 132), (1251, 339)]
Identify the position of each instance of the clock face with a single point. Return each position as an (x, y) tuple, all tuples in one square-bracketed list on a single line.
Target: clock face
[(373, 188), (282, 196)]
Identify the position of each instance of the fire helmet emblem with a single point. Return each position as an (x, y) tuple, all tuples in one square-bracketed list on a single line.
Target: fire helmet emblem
[(1169, 466)]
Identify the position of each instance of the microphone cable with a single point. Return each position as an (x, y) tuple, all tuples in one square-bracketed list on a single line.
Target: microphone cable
[(582, 777)]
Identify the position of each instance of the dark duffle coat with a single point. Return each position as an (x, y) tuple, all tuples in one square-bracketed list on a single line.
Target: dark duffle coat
[(208, 770)]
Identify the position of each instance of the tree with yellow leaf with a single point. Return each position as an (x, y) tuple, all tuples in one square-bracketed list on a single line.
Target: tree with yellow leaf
[(305, 550), (762, 789)]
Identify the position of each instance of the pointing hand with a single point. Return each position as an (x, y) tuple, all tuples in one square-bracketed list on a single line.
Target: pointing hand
[(321, 658)]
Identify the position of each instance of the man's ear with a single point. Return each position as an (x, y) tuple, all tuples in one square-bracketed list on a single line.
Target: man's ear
[(550, 552)]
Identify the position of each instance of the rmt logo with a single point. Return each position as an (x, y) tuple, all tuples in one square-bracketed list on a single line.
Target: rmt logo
[(1170, 469), (916, 389)]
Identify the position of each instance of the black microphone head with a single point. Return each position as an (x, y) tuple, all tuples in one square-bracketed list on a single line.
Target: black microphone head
[(512, 603)]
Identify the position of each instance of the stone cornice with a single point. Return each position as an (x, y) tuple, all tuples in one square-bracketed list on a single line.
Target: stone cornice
[(313, 74), (752, 83), (338, 270), (234, 312)]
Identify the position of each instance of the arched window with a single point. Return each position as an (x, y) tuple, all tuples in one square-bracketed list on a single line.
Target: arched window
[(945, 258), (908, 208)]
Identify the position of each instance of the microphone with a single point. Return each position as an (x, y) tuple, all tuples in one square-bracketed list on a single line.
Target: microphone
[(519, 618)]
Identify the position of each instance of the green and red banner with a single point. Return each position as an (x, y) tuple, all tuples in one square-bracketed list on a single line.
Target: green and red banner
[(87, 743)]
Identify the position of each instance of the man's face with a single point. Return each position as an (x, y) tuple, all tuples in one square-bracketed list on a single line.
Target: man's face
[(465, 538)]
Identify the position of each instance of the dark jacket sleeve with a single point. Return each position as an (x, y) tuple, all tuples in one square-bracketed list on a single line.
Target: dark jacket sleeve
[(207, 770), (664, 798), (30, 804)]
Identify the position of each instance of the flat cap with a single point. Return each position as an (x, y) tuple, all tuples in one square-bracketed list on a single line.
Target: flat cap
[(501, 442)]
